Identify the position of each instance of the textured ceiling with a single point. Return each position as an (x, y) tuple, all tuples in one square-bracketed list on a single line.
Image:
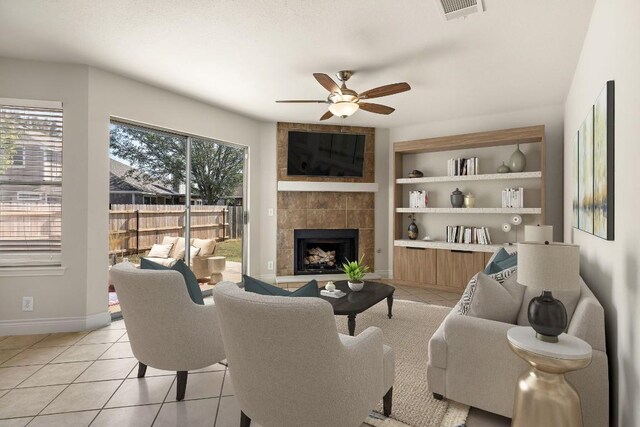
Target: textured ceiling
[(243, 55)]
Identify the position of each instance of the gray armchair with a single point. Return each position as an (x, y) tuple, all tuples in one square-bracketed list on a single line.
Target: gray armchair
[(290, 367), (167, 330)]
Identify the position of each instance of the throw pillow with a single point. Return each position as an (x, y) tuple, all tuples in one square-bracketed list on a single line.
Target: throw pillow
[(207, 246), (503, 275), (194, 252), (501, 261), (497, 301), (160, 251), (190, 279), (467, 296), (259, 287)]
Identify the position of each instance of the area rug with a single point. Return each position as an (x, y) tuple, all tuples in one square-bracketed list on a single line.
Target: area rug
[(408, 333)]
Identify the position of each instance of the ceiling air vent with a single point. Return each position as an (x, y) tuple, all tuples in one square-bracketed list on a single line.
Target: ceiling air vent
[(452, 9)]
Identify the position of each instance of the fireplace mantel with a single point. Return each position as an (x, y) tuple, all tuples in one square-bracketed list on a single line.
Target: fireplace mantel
[(335, 187)]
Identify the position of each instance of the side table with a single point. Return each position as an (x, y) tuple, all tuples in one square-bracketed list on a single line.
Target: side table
[(217, 264), (543, 395)]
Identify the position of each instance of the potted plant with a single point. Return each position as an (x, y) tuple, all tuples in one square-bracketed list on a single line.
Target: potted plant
[(355, 272)]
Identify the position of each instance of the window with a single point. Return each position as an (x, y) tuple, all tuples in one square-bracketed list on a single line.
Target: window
[(30, 183)]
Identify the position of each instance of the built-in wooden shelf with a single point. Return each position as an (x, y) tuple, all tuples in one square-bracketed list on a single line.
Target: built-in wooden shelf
[(522, 211), (482, 177), (446, 265), (445, 245)]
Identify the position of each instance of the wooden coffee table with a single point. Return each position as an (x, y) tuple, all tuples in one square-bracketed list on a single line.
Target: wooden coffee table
[(354, 303)]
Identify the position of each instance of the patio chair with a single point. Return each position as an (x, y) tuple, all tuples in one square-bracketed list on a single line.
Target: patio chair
[(289, 366), (167, 330)]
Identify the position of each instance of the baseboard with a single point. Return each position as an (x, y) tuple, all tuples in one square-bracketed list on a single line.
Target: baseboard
[(56, 324)]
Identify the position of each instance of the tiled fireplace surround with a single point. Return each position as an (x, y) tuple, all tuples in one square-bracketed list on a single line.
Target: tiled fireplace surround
[(324, 210), (312, 210)]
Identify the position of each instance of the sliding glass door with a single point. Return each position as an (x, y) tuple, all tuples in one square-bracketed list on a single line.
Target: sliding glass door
[(151, 203)]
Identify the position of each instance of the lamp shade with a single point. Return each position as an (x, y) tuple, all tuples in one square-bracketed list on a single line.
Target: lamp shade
[(343, 108), (550, 267), (538, 233)]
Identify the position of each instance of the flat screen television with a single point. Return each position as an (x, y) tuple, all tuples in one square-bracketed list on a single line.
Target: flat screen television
[(325, 154)]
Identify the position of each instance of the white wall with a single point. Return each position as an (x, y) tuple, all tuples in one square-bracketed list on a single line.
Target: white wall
[(65, 295), (268, 195), (550, 116), (612, 268), (90, 97), (383, 175)]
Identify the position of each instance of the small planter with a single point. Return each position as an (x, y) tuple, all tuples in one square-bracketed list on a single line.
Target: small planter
[(355, 286)]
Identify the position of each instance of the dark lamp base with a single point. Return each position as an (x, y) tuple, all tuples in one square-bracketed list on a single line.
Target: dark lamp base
[(546, 338), (547, 316)]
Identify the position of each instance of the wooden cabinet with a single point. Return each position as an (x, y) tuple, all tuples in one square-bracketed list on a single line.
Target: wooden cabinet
[(455, 268), (437, 268), (487, 257), (415, 265)]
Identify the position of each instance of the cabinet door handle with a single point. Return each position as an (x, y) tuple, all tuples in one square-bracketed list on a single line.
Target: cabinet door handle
[(461, 252), (415, 249)]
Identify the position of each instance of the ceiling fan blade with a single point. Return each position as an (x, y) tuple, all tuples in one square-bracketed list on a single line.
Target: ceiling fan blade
[(386, 90), (327, 82), (326, 115), (312, 101), (376, 108)]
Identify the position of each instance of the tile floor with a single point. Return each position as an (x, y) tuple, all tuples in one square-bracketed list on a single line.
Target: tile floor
[(89, 378)]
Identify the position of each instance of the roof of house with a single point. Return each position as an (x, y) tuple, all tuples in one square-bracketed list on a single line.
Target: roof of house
[(123, 177)]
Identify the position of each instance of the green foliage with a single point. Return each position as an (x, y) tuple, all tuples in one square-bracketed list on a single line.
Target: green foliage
[(232, 249), (8, 140), (216, 169), (354, 270)]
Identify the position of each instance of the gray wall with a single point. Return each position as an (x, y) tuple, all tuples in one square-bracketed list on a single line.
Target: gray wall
[(612, 268)]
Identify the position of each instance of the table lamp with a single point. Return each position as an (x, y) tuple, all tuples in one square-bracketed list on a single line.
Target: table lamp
[(548, 267), (538, 233)]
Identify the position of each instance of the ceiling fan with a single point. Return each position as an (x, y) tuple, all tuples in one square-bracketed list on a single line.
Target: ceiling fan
[(343, 101)]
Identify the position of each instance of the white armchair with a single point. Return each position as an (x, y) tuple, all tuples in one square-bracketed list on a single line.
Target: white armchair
[(290, 367), (167, 330)]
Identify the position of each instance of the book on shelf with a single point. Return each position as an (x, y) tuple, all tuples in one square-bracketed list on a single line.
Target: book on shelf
[(468, 235), (463, 166), (513, 198), (418, 199)]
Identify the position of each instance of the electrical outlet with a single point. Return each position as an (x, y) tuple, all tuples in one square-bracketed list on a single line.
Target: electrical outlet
[(27, 303), (269, 265), (270, 212)]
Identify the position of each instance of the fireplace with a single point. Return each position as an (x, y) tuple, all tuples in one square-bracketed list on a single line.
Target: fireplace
[(321, 251)]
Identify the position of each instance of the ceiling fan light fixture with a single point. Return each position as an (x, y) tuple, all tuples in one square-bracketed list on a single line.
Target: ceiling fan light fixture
[(343, 108)]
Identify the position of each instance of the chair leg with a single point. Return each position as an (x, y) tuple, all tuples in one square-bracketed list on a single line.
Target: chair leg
[(244, 420), (182, 385), (386, 402), (142, 369), (438, 396)]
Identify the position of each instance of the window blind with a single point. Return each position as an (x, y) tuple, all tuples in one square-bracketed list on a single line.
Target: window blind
[(30, 183)]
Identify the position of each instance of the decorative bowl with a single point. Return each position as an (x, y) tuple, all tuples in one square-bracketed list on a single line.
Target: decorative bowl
[(355, 286), (415, 174)]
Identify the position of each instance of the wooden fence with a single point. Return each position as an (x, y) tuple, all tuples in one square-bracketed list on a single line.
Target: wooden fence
[(135, 228), (30, 226)]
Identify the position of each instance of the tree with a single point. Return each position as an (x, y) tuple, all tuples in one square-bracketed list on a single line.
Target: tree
[(216, 169)]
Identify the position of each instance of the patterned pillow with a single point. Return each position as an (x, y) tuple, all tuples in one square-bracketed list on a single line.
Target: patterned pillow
[(467, 296), (503, 275)]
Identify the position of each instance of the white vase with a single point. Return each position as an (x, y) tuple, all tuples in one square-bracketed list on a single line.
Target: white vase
[(355, 286)]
